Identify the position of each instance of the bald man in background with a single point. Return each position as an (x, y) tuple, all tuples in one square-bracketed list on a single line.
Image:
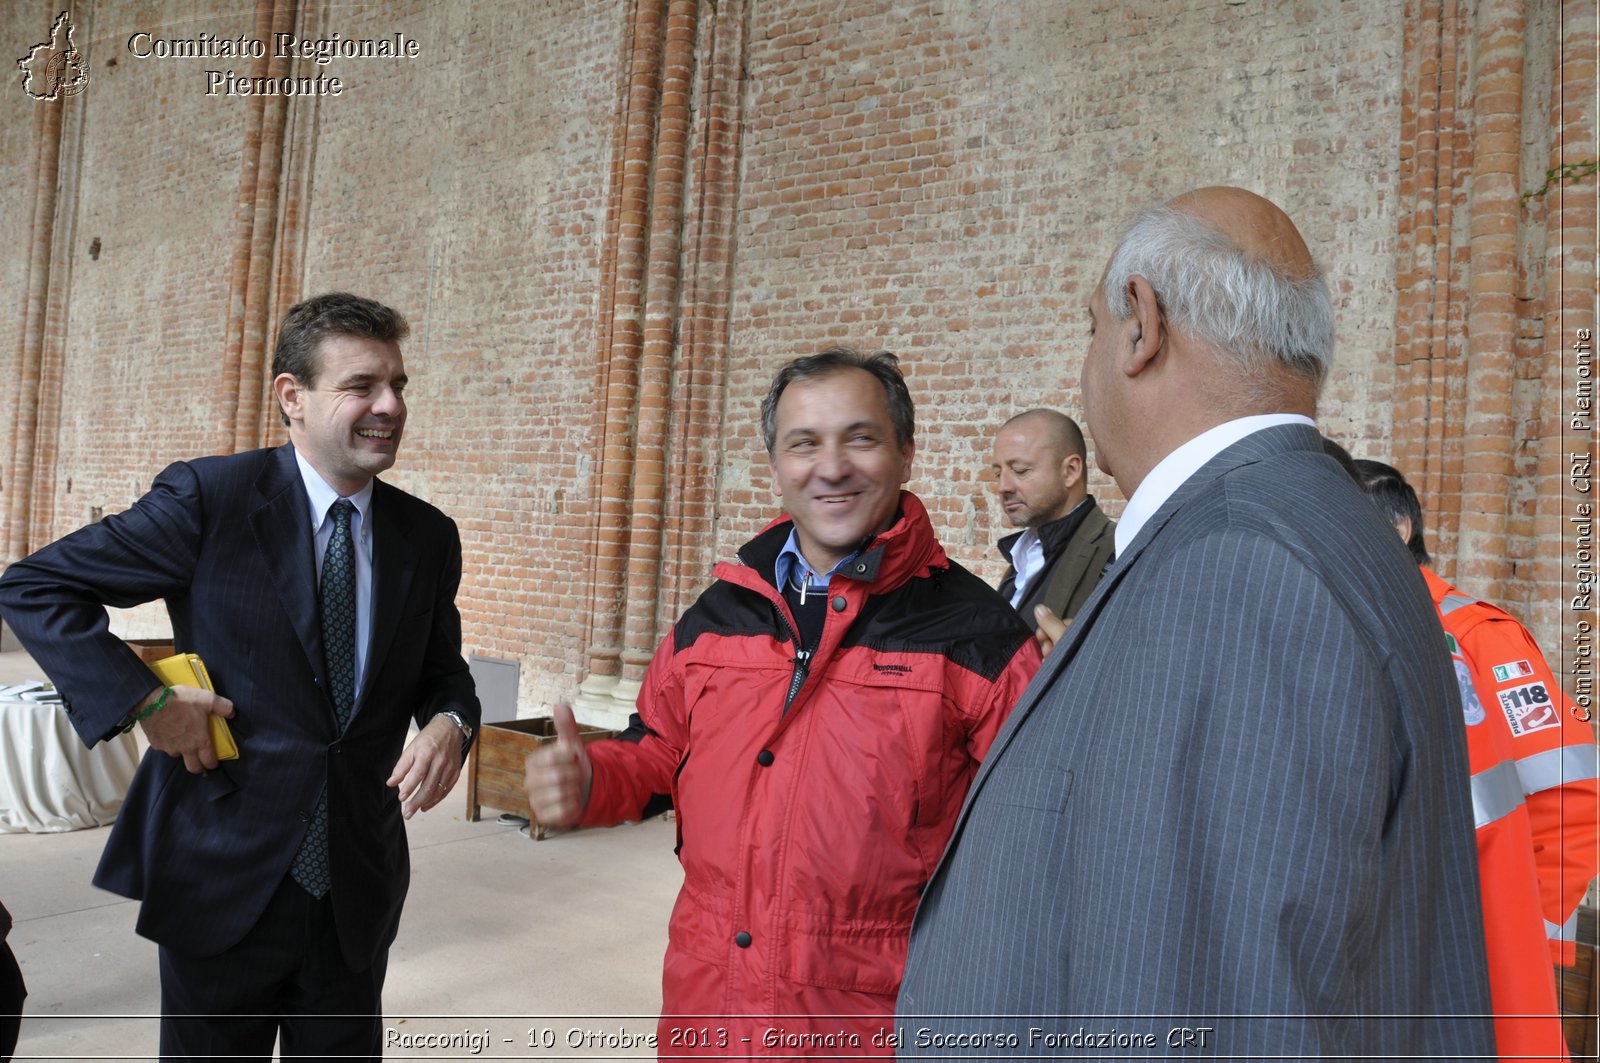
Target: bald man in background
[(1231, 816), (1040, 472)]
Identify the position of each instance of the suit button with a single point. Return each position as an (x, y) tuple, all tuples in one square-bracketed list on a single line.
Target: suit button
[(742, 939), (305, 817), (839, 604), (764, 758)]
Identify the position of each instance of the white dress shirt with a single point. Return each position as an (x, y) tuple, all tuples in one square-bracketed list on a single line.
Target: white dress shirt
[(1173, 470), (322, 497), (1027, 557)]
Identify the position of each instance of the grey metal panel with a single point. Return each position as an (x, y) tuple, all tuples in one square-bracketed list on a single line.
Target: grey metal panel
[(496, 680)]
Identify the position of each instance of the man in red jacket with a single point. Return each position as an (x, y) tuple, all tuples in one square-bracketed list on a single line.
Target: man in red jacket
[(1535, 795), (817, 717)]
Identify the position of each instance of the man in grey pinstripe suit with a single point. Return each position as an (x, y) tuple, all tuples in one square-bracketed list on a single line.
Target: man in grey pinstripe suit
[(1230, 816)]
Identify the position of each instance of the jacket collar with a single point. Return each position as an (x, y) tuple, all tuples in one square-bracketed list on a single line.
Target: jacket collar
[(1053, 535), (906, 549)]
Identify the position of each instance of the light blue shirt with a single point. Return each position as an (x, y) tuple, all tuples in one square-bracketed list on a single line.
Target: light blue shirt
[(792, 567), (322, 497)]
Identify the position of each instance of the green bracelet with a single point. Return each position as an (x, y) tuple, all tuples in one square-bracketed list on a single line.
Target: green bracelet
[(155, 707)]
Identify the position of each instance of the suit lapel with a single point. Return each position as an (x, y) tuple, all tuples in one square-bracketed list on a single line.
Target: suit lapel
[(281, 525), (1053, 665), (1077, 555), (394, 567)]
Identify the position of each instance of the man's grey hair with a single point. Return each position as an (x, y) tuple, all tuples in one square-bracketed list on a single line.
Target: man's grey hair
[(883, 366), (1218, 293)]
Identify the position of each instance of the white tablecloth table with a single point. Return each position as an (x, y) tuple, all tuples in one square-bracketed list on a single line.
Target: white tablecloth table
[(49, 782)]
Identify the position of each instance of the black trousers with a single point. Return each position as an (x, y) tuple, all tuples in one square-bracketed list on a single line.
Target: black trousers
[(12, 992), (286, 979)]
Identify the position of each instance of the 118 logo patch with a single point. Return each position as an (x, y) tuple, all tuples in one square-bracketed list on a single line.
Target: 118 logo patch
[(1528, 708)]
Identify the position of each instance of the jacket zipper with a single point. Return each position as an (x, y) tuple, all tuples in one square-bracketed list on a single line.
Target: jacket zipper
[(802, 661), (802, 664)]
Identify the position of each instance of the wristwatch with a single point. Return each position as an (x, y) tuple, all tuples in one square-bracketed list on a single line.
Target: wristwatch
[(461, 725)]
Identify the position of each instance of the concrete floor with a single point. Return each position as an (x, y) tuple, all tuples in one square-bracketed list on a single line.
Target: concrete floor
[(500, 935)]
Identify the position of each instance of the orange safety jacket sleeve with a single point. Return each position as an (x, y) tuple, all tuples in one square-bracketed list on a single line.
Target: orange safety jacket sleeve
[(1555, 755)]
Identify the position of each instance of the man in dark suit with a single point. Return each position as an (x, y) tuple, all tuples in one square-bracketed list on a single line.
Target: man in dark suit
[(1231, 813), (322, 601), (13, 991), (1040, 475)]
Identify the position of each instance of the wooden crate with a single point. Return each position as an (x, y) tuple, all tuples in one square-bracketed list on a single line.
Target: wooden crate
[(151, 650), (495, 768)]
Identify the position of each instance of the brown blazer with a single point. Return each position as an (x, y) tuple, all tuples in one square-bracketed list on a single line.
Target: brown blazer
[(1072, 565)]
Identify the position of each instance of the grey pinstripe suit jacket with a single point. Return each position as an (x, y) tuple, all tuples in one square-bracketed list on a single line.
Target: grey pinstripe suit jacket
[(1234, 797)]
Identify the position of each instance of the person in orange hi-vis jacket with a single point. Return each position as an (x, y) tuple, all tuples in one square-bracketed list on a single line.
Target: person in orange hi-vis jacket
[(1535, 792)]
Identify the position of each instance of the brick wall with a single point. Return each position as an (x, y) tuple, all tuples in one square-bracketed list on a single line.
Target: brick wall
[(18, 23), (468, 189), (947, 181), (941, 179)]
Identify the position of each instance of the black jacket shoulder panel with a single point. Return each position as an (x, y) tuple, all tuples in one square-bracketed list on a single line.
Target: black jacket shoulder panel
[(949, 612), (726, 609)]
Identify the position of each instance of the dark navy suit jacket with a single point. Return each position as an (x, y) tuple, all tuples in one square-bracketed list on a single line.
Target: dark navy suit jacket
[(227, 542)]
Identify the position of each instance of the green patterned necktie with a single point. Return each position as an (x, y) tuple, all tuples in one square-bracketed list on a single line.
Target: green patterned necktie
[(336, 597)]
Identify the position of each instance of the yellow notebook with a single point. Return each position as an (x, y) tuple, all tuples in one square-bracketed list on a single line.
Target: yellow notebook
[(188, 670)]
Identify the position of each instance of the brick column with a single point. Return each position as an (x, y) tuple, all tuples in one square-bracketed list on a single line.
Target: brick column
[(671, 257), (1434, 155), (1566, 438), (1490, 430), (624, 299), (46, 516), (698, 434), (25, 405), (660, 340), (297, 156), (1494, 286), (255, 232)]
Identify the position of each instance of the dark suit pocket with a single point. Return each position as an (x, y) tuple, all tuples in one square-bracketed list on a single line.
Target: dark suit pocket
[(217, 784), (1041, 788)]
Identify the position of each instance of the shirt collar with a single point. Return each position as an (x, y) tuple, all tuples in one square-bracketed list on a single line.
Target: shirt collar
[(791, 564), (1172, 471), (322, 497), (1026, 539)]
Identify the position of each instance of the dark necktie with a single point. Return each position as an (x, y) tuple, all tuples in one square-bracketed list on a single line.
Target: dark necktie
[(336, 597)]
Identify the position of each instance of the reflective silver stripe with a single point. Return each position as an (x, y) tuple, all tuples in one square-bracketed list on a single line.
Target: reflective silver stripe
[(1451, 602), (1567, 931), (1557, 767), (1496, 792)]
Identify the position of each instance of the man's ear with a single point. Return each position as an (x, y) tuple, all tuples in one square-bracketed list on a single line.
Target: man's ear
[(1071, 470), (1149, 334), (908, 453), (288, 392)]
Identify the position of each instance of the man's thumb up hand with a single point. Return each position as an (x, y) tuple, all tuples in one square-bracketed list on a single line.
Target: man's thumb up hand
[(567, 736), (558, 774)]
